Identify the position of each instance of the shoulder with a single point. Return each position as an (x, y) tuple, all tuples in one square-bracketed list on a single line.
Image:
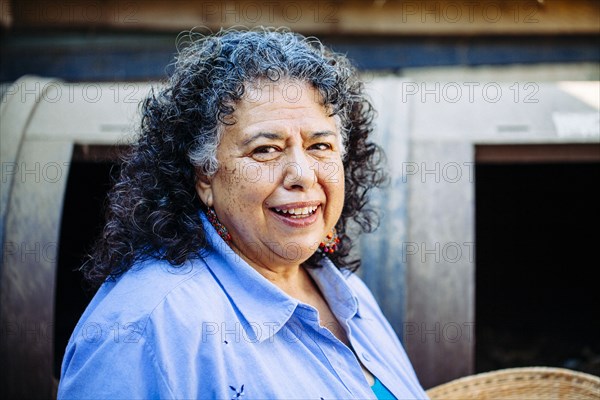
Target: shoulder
[(148, 294), (136, 324), (145, 286)]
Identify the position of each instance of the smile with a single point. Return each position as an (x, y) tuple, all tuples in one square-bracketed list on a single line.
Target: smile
[(296, 213)]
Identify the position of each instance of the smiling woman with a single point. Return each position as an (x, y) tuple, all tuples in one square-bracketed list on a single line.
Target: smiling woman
[(292, 200), (224, 265)]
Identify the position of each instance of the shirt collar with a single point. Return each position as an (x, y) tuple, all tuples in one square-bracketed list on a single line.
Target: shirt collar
[(264, 306), (334, 286)]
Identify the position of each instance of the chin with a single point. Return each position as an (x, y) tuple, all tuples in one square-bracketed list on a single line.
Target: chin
[(296, 253)]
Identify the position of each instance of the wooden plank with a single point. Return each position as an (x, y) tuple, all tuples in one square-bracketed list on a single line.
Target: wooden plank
[(29, 270), (381, 17), (538, 153), (135, 56), (98, 153)]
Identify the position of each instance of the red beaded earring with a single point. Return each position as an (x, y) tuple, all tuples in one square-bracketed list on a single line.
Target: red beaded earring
[(330, 243), (219, 227)]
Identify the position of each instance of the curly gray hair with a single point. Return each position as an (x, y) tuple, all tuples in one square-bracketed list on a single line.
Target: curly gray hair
[(227, 62)]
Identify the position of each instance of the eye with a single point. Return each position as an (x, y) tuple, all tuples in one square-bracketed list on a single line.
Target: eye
[(264, 150), (265, 153), (321, 146)]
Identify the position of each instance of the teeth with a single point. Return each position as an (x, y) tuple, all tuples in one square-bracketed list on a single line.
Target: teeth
[(298, 211)]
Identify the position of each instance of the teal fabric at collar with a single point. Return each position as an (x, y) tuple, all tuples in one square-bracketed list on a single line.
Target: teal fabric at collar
[(381, 391)]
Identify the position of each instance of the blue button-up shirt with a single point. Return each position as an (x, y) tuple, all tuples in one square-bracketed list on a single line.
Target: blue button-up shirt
[(215, 328)]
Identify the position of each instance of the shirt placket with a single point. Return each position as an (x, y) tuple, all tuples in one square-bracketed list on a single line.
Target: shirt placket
[(342, 361)]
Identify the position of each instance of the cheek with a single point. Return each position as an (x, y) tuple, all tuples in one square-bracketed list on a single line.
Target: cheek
[(241, 188), (331, 172), (331, 175)]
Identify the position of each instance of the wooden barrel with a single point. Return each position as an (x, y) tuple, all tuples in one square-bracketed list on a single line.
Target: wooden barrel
[(42, 122)]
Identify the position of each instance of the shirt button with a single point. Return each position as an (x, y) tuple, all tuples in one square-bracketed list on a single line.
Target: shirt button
[(366, 357)]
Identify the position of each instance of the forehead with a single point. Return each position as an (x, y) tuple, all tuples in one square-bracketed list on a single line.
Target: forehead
[(289, 101), (290, 92)]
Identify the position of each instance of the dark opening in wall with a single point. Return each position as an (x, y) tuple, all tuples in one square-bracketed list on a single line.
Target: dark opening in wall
[(537, 291), (82, 220)]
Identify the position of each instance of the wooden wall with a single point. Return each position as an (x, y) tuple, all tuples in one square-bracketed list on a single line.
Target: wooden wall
[(319, 17)]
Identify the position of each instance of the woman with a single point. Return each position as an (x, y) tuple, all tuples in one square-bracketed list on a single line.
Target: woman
[(224, 264)]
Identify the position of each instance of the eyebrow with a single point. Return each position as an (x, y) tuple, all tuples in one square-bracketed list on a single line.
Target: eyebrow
[(276, 136), (322, 134), (268, 135)]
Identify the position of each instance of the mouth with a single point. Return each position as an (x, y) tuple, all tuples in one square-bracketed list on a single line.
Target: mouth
[(296, 212), (297, 215)]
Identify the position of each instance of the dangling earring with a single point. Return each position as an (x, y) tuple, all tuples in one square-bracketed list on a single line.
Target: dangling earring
[(219, 227), (330, 243)]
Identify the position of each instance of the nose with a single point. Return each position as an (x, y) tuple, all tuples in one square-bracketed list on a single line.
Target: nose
[(299, 173)]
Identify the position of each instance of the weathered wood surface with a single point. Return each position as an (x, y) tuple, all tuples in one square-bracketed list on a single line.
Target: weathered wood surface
[(379, 17)]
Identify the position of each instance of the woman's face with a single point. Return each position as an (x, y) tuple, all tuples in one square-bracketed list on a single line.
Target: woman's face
[(280, 185)]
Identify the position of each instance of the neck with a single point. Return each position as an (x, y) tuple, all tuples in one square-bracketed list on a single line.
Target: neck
[(288, 275), (292, 278)]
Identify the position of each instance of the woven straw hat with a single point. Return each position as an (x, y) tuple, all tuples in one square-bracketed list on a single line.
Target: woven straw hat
[(531, 383)]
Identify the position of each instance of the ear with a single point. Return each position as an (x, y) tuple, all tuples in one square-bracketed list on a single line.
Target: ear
[(204, 189)]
